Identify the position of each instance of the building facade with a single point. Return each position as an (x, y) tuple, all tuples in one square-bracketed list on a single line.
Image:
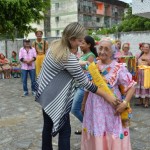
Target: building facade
[(92, 14), (62, 13), (141, 8)]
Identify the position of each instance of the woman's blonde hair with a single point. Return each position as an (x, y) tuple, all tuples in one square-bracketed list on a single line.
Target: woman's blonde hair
[(60, 49)]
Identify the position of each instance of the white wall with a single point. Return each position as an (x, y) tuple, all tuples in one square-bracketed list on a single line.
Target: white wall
[(134, 38)]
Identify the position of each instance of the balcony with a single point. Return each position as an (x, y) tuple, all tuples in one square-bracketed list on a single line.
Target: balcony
[(100, 8)]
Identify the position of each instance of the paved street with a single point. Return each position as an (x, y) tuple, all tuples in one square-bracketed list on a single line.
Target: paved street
[(21, 122)]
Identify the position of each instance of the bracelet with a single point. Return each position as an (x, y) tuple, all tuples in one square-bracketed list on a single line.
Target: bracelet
[(127, 103)]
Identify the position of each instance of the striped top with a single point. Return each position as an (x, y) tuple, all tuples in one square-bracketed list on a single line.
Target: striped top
[(55, 87)]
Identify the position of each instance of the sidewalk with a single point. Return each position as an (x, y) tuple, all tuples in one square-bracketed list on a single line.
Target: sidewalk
[(21, 122)]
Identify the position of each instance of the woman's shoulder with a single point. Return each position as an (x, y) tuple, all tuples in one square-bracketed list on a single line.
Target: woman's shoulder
[(130, 53), (91, 54), (118, 66)]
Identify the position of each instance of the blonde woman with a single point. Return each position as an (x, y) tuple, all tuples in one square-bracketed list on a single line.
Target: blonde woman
[(56, 86)]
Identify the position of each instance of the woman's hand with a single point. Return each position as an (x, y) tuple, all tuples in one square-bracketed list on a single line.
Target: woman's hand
[(121, 107), (112, 100), (83, 63), (109, 98)]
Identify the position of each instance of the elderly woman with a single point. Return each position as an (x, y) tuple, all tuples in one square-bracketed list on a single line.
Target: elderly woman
[(5, 64), (102, 128), (125, 51)]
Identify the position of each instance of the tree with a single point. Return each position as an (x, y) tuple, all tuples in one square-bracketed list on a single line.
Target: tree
[(17, 15), (133, 23)]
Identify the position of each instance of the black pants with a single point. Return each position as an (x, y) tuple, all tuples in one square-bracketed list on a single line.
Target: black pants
[(64, 134)]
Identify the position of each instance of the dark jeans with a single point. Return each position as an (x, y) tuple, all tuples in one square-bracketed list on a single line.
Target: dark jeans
[(64, 134), (25, 77)]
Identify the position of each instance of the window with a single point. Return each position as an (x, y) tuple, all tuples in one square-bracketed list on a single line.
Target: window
[(56, 6), (57, 32), (97, 19), (57, 19)]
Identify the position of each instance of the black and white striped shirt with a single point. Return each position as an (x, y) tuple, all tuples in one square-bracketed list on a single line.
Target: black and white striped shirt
[(55, 87)]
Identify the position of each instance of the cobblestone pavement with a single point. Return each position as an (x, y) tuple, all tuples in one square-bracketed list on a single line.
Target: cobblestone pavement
[(21, 122)]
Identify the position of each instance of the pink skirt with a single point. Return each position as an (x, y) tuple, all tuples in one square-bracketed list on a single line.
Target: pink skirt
[(140, 91), (105, 142)]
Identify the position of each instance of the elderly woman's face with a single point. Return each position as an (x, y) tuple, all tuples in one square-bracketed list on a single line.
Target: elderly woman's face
[(126, 47), (146, 48), (118, 44), (105, 50)]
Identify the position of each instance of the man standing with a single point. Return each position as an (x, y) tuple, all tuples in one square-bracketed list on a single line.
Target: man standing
[(41, 47), (27, 56)]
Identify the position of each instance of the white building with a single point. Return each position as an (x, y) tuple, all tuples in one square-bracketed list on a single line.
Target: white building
[(92, 14), (141, 8), (62, 13)]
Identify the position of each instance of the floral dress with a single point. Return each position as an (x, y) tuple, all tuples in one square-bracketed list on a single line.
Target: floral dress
[(123, 54), (102, 130), (140, 91)]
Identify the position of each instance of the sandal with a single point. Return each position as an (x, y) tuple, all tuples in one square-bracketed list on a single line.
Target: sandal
[(141, 103), (78, 132), (146, 106), (146, 103)]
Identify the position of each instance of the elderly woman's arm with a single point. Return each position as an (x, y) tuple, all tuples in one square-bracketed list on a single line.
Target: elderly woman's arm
[(124, 104), (74, 68), (125, 79)]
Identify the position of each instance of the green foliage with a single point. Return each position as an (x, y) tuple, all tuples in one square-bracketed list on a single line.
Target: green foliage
[(134, 23), (16, 16), (93, 34), (129, 23)]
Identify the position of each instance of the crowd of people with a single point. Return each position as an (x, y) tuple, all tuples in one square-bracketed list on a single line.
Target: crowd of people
[(28, 61), (64, 84)]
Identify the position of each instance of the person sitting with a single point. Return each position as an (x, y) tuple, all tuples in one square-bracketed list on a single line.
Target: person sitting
[(5, 64), (15, 64), (1, 71)]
